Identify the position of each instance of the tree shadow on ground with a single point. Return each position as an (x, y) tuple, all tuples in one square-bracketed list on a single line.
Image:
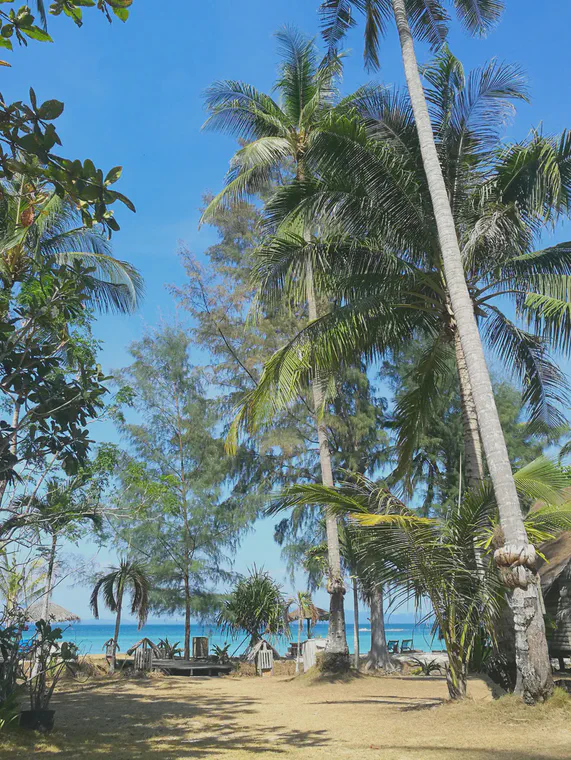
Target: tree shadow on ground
[(116, 722), (427, 752)]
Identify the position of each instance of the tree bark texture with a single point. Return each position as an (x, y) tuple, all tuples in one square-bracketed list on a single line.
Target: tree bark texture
[(379, 656), (113, 663), (336, 654), (356, 651), (516, 559)]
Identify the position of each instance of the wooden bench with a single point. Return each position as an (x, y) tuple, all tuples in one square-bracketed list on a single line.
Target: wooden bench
[(190, 667)]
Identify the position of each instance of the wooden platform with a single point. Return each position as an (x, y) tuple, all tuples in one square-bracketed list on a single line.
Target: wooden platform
[(190, 667)]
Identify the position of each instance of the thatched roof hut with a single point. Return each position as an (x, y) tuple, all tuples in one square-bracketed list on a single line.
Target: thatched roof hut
[(555, 575), (56, 613)]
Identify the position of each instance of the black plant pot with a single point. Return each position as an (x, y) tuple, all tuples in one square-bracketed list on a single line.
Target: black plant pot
[(37, 720)]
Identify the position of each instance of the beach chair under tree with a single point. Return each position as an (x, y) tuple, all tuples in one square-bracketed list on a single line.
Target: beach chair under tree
[(393, 646), (407, 645)]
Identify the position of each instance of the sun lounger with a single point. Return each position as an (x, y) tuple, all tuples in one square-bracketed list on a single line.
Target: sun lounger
[(407, 645), (393, 646)]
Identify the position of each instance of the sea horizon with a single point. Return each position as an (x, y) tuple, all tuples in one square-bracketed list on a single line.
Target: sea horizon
[(90, 637)]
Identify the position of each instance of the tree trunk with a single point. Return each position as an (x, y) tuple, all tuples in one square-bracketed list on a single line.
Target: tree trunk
[(186, 619), (49, 581), (473, 454), (356, 655), (336, 654), (298, 655), (379, 655), (456, 677), (517, 558), (113, 663)]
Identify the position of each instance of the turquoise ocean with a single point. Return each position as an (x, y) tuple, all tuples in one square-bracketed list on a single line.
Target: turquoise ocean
[(90, 638)]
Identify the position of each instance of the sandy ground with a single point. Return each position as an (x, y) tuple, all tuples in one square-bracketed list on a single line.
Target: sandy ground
[(236, 718)]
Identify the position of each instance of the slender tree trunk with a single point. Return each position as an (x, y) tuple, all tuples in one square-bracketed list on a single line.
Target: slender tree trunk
[(379, 655), (516, 559), (456, 676), (473, 453), (113, 663), (298, 655), (357, 653), (186, 619), (336, 654), (49, 580)]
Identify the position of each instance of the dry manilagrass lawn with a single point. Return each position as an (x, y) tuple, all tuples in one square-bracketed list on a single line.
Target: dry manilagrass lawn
[(237, 718)]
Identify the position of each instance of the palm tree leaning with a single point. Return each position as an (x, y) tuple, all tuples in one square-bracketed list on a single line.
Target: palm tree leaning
[(516, 559), (279, 136), (130, 577)]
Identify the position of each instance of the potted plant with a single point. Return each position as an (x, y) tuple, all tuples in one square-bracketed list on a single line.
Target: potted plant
[(50, 657)]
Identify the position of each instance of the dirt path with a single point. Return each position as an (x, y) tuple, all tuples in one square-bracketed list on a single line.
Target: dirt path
[(376, 718)]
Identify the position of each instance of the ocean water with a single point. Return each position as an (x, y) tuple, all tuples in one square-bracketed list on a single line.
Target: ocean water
[(91, 638)]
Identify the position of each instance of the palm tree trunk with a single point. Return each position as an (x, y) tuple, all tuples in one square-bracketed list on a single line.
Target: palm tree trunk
[(113, 663), (357, 653), (379, 655), (473, 454), (517, 558), (49, 580), (186, 619), (336, 654)]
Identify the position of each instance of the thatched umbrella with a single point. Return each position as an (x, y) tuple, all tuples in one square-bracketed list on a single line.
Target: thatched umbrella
[(56, 613), (319, 614)]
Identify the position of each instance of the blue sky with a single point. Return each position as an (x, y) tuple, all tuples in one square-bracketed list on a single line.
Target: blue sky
[(133, 98)]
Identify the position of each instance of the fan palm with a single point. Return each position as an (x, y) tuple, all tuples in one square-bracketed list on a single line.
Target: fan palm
[(279, 136), (130, 577), (427, 19), (434, 560), (42, 226)]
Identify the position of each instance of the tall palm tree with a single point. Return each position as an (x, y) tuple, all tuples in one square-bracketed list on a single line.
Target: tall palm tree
[(130, 577), (397, 270), (279, 135), (427, 19)]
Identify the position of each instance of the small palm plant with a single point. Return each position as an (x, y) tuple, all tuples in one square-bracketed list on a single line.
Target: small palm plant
[(131, 577)]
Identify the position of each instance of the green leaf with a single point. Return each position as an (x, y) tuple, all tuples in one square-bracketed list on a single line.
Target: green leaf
[(50, 110), (121, 13), (35, 33), (4, 43), (113, 175)]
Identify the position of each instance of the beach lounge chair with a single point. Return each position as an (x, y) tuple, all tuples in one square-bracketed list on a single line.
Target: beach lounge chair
[(393, 646), (407, 645)]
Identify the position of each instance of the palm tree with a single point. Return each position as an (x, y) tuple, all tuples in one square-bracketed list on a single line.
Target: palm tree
[(427, 20), (130, 577), (423, 558), (42, 227), (279, 135)]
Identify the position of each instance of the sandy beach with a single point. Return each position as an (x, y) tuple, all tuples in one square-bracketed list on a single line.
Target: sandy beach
[(402, 718)]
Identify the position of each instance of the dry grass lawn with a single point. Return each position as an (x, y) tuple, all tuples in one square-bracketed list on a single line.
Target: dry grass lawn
[(237, 718)]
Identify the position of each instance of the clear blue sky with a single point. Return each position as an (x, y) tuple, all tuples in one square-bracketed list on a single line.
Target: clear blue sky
[(133, 97)]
